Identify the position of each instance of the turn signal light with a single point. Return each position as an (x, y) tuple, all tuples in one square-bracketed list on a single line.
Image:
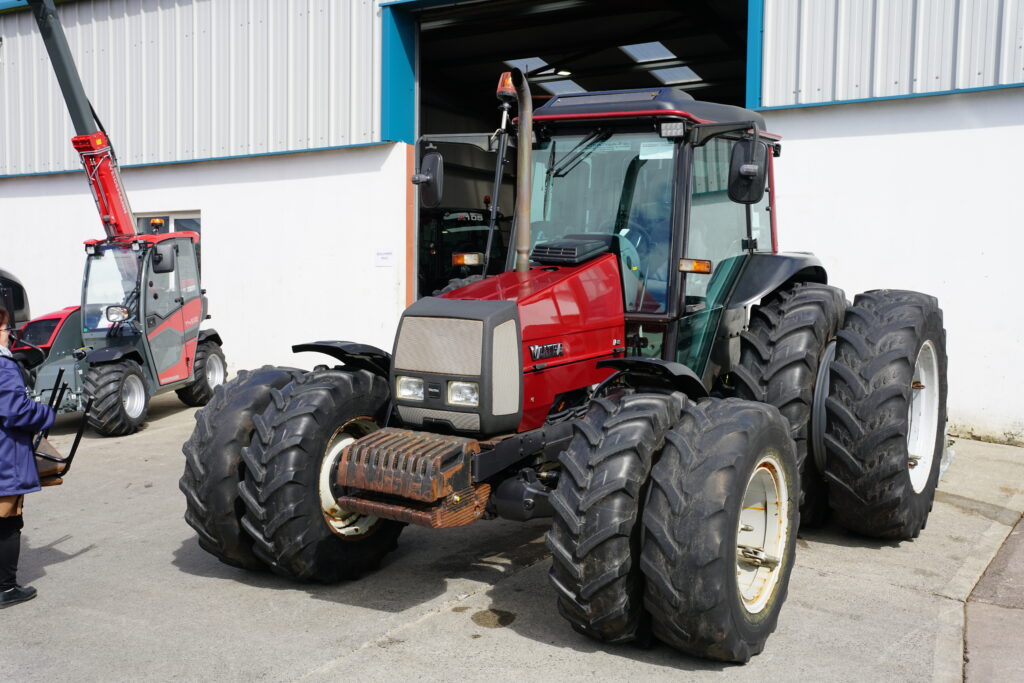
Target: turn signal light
[(472, 259), (506, 90), (689, 265)]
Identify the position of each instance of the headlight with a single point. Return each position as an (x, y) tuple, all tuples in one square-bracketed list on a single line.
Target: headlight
[(463, 393), (410, 388)]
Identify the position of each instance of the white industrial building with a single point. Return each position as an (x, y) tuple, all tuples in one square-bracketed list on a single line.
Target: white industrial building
[(285, 130)]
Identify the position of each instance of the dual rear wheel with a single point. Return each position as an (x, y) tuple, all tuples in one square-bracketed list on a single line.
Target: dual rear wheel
[(696, 547)]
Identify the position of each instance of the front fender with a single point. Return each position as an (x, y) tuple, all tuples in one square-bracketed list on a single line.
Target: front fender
[(362, 356), (654, 372), (112, 354)]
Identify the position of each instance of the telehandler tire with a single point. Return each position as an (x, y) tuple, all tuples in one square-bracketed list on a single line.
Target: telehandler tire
[(595, 535), (210, 371), (780, 356), (887, 414), (214, 468), (720, 529), (289, 461), (120, 398)]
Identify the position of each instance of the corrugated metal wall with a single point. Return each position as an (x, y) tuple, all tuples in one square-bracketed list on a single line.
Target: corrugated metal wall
[(835, 50), (175, 80)]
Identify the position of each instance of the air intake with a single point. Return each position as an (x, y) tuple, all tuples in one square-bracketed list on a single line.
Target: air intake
[(569, 251)]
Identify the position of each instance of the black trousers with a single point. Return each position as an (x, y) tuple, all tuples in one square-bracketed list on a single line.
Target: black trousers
[(10, 549)]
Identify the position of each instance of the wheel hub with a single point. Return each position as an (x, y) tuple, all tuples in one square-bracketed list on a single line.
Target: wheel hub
[(344, 523), (133, 396), (762, 533), (923, 416), (215, 372)]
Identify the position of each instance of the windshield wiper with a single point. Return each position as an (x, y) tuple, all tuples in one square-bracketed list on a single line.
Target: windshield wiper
[(581, 151)]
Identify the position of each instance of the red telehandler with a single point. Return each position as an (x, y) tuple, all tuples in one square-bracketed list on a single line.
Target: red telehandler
[(137, 332)]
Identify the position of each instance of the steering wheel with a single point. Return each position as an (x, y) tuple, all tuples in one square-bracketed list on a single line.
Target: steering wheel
[(637, 235)]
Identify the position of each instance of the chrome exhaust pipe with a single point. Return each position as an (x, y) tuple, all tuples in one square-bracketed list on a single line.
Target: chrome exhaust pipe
[(524, 170)]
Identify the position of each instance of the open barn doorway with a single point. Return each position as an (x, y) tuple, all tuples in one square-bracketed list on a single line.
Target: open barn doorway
[(563, 46)]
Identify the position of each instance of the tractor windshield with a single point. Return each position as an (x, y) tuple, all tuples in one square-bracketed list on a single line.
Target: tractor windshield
[(111, 279), (608, 183)]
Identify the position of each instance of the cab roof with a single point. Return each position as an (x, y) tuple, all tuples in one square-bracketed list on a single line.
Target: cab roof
[(663, 101)]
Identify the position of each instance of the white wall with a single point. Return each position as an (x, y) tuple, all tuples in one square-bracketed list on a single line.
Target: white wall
[(924, 194), (289, 243)]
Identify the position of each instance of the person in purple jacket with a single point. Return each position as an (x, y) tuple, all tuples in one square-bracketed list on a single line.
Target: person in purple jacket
[(20, 418)]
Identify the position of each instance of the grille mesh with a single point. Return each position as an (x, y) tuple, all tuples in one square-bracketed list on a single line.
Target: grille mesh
[(440, 345), (469, 422)]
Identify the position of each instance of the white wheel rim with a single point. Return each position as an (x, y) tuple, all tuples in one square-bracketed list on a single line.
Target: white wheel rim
[(342, 522), (214, 371), (133, 396), (923, 416), (762, 533)]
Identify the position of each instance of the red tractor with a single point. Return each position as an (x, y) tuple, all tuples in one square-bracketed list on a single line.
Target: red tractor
[(648, 370), (137, 332)]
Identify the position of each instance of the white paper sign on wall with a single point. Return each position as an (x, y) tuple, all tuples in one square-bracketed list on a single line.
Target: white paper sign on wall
[(385, 259)]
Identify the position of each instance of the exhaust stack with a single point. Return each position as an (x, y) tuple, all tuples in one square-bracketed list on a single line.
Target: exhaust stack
[(524, 170)]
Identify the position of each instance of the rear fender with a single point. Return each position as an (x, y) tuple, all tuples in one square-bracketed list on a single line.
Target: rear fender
[(352, 354), (766, 272), (210, 336), (656, 374)]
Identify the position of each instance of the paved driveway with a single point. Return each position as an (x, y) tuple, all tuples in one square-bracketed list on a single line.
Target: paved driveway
[(125, 592)]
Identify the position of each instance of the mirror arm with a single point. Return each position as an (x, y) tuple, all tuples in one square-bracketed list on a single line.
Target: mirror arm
[(752, 168)]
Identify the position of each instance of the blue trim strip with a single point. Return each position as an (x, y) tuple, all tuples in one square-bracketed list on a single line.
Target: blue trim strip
[(196, 161), (398, 76), (892, 97), (12, 4), (755, 36)]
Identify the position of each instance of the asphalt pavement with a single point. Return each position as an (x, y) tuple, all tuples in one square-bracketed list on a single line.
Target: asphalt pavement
[(125, 593)]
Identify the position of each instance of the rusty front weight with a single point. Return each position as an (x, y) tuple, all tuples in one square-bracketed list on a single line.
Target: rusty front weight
[(416, 465)]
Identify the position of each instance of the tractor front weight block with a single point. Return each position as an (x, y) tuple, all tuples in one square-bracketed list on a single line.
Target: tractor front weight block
[(415, 477)]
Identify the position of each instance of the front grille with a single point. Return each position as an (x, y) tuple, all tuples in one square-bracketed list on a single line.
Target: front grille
[(440, 345)]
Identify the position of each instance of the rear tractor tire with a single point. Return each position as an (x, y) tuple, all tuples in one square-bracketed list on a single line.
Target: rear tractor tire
[(120, 398), (290, 505), (887, 414), (210, 370), (720, 529), (783, 352), (214, 468), (595, 535)]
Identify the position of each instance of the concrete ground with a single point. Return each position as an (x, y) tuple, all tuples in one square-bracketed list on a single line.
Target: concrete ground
[(125, 593)]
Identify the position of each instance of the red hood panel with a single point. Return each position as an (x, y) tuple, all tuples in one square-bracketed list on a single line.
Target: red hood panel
[(572, 316)]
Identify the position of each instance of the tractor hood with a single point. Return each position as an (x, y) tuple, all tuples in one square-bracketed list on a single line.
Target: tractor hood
[(579, 307)]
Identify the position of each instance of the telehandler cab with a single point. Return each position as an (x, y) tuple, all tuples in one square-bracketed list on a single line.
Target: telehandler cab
[(137, 332), (648, 370)]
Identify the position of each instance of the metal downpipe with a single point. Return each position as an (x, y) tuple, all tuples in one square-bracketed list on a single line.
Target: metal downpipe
[(524, 171)]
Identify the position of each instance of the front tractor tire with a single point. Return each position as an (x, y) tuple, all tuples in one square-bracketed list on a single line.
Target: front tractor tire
[(120, 398), (781, 354), (595, 535), (290, 508), (720, 529), (210, 370), (214, 468), (887, 414)]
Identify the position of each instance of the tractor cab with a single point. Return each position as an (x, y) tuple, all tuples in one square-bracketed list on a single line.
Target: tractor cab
[(647, 172)]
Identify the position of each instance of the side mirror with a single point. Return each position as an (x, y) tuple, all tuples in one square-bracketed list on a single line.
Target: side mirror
[(430, 179), (163, 257), (117, 314), (748, 173)]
